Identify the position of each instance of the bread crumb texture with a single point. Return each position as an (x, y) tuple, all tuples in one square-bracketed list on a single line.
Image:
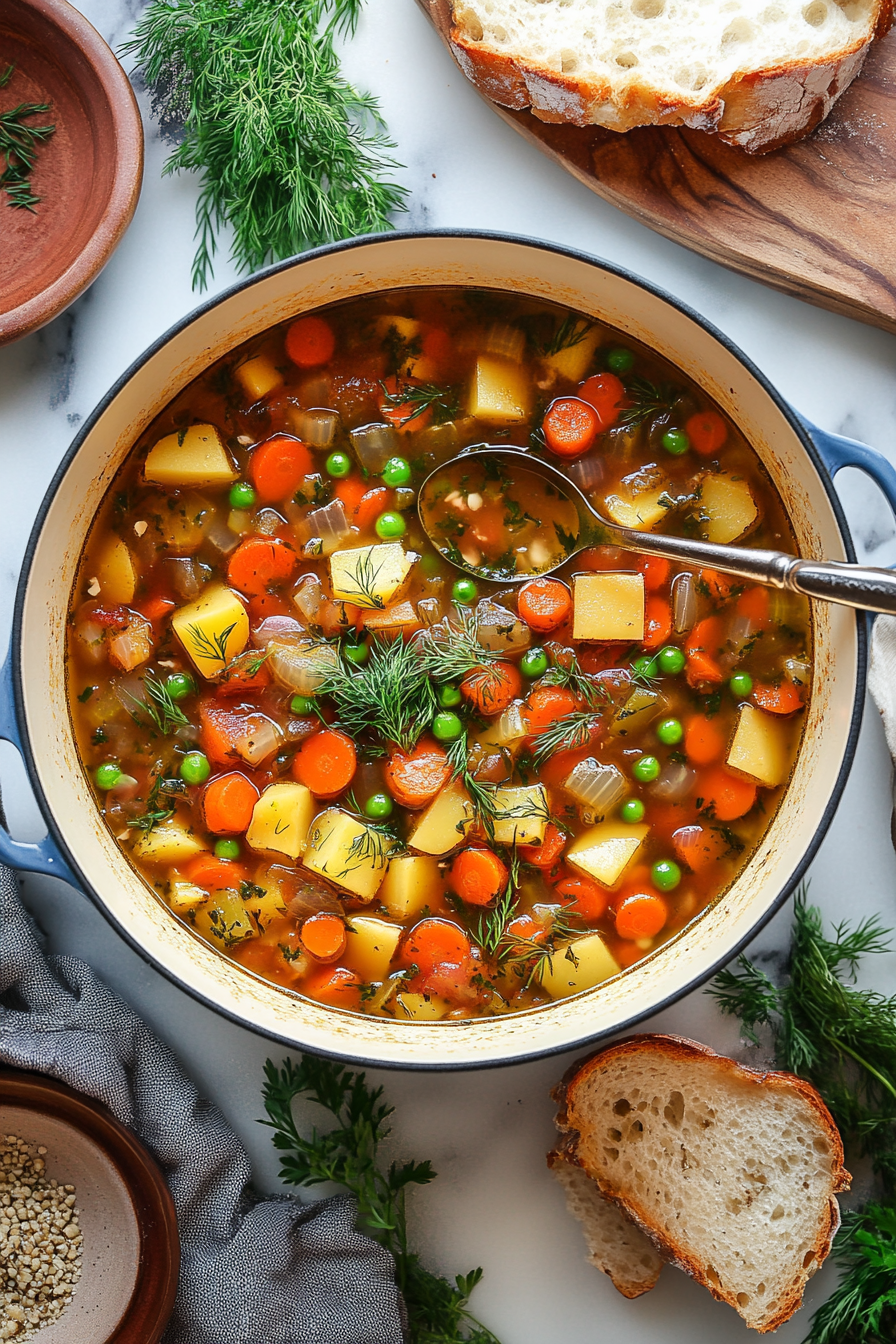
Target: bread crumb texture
[(40, 1241), (615, 1245)]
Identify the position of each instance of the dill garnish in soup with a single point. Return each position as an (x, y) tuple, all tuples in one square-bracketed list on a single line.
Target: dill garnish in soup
[(383, 784)]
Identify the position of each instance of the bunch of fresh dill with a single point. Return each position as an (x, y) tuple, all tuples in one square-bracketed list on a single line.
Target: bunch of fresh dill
[(291, 154), (843, 1040), (390, 697), (19, 143), (347, 1155)]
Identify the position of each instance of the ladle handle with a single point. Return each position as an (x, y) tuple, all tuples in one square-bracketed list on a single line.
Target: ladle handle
[(852, 585)]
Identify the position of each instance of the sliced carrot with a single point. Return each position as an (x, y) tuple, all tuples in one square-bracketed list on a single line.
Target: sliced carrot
[(754, 604), (725, 796), (371, 504), (490, 689), (702, 647), (601, 657), (326, 763), (334, 618), (655, 569), (437, 345), (544, 604), (548, 852), (216, 874), (246, 673), (606, 394), (559, 767), (547, 704), (415, 777), (478, 876), (657, 621), (156, 608), (404, 414), (435, 942), (704, 739), (350, 490), (570, 427), (335, 986), (707, 432), (323, 936), (526, 926), (781, 699), (259, 563), (227, 804), (641, 916), (588, 898), (219, 731), (278, 466), (717, 585), (310, 341), (698, 846), (598, 558)]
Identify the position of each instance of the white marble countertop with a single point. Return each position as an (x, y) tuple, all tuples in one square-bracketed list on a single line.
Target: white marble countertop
[(494, 1203)]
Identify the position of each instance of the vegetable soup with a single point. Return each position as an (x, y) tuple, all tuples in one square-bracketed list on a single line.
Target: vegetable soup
[(391, 787)]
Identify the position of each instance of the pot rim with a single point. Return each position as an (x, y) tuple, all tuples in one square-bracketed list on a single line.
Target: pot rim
[(519, 240)]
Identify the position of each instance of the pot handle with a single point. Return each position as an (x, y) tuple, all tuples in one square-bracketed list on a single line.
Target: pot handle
[(837, 452), (44, 856)]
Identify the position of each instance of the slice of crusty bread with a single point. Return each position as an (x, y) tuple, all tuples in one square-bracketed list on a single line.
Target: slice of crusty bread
[(732, 1173), (761, 73), (615, 1245)]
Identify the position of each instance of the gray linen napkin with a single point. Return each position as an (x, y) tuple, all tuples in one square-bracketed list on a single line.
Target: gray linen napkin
[(253, 1271), (882, 686)]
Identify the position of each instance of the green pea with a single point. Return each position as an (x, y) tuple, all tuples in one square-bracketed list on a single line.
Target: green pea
[(378, 805), (227, 849), (646, 769), (242, 496), (621, 360), (396, 472), (670, 660), (446, 727), (534, 663), (195, 768), (645, 666), (676, 442), (665, 875), (632, 811), (741, 684), (107, 775), (449, 696), (356, 653), (670, 732), (390, 525), (301, 705), (464, 591), (338, 465), (179, 685)]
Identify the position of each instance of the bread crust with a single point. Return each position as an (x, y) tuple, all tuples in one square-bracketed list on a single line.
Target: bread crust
[(678, 1049), (758, 110)]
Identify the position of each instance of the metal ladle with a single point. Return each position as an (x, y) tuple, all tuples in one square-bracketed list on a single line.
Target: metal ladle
[(829, 580)]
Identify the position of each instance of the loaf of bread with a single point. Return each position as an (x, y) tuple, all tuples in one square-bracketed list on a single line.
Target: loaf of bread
[(730, 1173), (760, 73)]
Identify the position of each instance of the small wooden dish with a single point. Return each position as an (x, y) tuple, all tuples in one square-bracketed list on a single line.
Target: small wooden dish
[(131, 1250), (88, 173)]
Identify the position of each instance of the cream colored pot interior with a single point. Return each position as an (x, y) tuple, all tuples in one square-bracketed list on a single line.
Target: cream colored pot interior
[(398, 262)]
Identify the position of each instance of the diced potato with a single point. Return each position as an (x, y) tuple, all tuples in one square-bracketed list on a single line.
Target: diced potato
[(608, 606), (641, 510), (446, 821), (224, 920), (574, 360), (264, 903), (578, 965), (177, 525), (400, 616), (521, 815), (727, 508), (213, 629), (258, 376), (412, 882), (500, 391), (371, 576), (406, 328), (184, 895), (195, 456), (348, 853), (170, 843), (760, 748), (639, 709), (422, 1007), (605, 851), (371, 946), (115, 572), (281, 818)]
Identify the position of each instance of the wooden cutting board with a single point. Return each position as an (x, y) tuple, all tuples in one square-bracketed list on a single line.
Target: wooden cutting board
[(817, 219)]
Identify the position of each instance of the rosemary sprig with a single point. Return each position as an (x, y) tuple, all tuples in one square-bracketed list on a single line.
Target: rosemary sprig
[(417, 398), (390, 696), (290, 153), (646, 399), (19, 144), (347, 1154)]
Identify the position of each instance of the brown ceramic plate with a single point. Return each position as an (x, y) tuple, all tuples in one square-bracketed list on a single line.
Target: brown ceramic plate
[(88, 174), (131, 1250)]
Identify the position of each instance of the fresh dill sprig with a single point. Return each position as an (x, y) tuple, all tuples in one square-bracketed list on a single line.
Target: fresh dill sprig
[(646, 399), (19, 144), (862, 1308), (568, 734), (450, 650), (290, 153), (529, 958), (566, 670), (416, 398), (156, 810), (570, 332), (390, 696), (492, 926), (165, 713), (347, 1154)]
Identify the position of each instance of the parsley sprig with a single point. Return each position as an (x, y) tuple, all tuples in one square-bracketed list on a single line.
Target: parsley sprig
[(348, 1155)]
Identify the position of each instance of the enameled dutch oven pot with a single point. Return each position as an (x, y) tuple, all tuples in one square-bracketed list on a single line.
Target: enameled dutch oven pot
[(799, 459)]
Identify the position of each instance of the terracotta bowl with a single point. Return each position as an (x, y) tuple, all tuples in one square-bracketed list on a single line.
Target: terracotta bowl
[(131, 1250), (88, 173)]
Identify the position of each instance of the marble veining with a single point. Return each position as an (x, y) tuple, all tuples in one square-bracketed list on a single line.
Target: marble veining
[(494, 1203)]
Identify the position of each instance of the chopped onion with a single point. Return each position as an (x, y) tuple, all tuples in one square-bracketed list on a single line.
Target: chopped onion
[(510, 727), (220, 536), (374, 445), (239, 521), (317, 428), (268, 522), (301, 668), (429, 610), (740, 632), (315, 391), (505, 341), (185, 577), (308, 596), (282, 629), (404, 498), (188, 732), (261, 740), (587, 473), (311, 898), (797, 671), (499, 629), (124, 790), (129, 691), (329, 525), (598, 787), (133, 645), (675, 782), (684, 603), (91, 639)]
